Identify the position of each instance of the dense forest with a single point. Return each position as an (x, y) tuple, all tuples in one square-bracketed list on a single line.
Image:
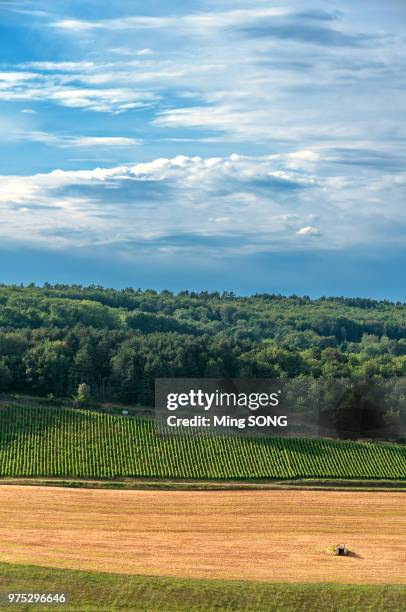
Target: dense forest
[(53, 338)]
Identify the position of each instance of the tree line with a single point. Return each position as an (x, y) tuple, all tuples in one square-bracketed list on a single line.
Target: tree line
[(55, 337)]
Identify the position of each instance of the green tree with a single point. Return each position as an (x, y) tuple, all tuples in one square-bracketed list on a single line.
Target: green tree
[(82, 396)]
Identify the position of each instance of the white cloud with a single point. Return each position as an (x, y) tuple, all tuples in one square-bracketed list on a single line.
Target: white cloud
[(128, 51), (102, 141), (21, 8), (234, 86), (308, 231), (11, 78), (103, 100), (59, 66), (215, 20), (238, 203), (88, 142), (27, 86)]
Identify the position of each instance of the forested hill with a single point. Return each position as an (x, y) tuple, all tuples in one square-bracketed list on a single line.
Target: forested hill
[(54, 337)]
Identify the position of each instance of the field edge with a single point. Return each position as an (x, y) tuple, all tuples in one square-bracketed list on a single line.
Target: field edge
[(139, 484), (105, 591)]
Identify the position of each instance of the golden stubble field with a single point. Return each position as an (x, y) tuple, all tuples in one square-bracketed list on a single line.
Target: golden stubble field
[(248, 535)]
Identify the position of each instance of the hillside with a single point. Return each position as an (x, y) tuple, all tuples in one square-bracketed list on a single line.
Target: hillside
[(39, 441), (97, 591), (54, 337)]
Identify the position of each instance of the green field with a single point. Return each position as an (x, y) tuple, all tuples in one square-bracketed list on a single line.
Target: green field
[(40, 441), (102, 592)]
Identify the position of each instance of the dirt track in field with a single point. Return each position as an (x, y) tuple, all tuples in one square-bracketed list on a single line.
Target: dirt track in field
[(247, 535)]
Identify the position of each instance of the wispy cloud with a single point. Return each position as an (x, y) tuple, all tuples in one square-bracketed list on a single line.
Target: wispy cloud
[(22, 8), (303, 26), (88, 142), (26, 86), (59, 66), (192, 81), (195, 21), (128, 51)]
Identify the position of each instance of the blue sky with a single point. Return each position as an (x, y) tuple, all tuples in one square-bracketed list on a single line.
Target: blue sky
[(204, 145)]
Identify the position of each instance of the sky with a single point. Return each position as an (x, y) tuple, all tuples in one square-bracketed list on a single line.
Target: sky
[(201, 144)]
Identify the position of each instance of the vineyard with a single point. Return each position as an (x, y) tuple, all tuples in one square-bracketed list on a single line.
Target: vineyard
[(40, 441)]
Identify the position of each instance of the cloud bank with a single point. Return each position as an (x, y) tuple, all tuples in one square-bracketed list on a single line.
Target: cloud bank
[(229, 204)]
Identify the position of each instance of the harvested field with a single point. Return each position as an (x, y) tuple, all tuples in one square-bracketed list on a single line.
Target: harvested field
[(285, 536)]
